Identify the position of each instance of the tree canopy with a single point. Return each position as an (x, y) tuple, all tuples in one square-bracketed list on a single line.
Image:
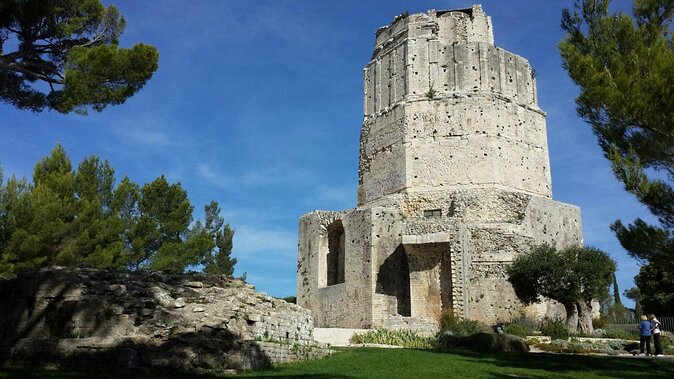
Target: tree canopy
[(79, 217), (574, 276), (624, 67), (64, 55)]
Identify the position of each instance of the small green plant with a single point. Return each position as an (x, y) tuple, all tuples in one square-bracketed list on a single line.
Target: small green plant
[(517, 329), (613, 331), (290, 299), (599, 322), (447, 321), (404, 338), (431, 92), (555, 329), (667, 339), (613, 347), (461, 327)]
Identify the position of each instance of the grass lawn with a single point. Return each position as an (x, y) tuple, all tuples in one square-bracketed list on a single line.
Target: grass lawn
[(420, 364)]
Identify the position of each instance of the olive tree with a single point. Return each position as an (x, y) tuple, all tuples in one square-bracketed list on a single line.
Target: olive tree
[(574, 276)]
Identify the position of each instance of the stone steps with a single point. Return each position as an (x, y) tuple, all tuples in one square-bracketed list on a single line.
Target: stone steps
[(336, 336)]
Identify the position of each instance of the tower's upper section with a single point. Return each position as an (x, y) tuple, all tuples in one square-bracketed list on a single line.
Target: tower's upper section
[(446, 110), (451, 26), (440, 53)]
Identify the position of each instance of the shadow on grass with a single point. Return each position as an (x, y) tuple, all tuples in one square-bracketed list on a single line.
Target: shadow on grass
[(570, 365), (145, 374)]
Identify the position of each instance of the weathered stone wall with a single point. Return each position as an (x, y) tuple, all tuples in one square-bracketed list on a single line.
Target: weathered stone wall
[(91, 318), (387, 269), (382, 164), (314, 292)]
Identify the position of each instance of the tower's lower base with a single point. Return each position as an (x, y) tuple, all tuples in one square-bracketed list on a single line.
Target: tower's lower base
[(412, 257)]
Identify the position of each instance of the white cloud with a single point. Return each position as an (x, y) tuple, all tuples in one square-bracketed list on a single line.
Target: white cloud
[(212, 177), (336, 197), (155, 139), (252, 240), (280, 174)]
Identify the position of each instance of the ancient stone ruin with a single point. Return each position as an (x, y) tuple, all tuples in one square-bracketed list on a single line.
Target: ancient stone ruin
[(454, 182), (84, 318)]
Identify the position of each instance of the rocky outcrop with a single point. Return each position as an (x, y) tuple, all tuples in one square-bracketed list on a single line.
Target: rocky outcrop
[(92, 318)]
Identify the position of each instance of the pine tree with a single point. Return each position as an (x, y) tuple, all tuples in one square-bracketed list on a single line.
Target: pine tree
[(167, 242), (219, 260), (79, 217), (15, 209), (64, 55), (124, 209), (96, 231), (634, 294), (624, 67)]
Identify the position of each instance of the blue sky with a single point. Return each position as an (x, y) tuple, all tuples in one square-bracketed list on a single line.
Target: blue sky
[(258, 105)]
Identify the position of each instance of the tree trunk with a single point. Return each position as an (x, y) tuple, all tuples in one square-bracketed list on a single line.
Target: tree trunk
[(585, 317), (571, 317)]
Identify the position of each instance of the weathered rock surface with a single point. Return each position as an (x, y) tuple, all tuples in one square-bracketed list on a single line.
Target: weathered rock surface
[(92, 318)]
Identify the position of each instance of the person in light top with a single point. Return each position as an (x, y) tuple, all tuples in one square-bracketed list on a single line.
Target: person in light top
[(655, 330)]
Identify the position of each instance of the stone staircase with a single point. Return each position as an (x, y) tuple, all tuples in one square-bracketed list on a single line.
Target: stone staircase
[(421, 327)]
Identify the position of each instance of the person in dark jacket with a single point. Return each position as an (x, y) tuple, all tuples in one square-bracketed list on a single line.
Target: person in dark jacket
[(645, 331)]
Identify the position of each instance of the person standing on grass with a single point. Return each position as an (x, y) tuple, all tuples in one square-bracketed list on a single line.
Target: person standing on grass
[(645, 331), (655, 330)]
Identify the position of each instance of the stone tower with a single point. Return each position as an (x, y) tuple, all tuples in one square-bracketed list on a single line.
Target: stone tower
[(454, 182)]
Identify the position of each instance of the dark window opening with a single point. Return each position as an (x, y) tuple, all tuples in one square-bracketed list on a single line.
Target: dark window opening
[(452, 210), (335, 259), (432, 213)]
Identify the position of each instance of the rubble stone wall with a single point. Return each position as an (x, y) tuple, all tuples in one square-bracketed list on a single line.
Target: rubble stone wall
[(92, 318)]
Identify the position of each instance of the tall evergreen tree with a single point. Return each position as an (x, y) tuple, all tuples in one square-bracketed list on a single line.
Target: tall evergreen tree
[(166, 242), (219, 260), (97, 229), (78, 217), (14, 213), (625, 69), (124, 207), (43, 230), (616, 292), (4, 199), (634, 294)]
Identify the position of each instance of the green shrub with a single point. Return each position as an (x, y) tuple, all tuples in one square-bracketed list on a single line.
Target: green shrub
[(599, 322), (496, 342), (404, 338), (620, 334), (461, 328), (555, 329), (517, 329), (484, 342), (667, 339), (447, 321)]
